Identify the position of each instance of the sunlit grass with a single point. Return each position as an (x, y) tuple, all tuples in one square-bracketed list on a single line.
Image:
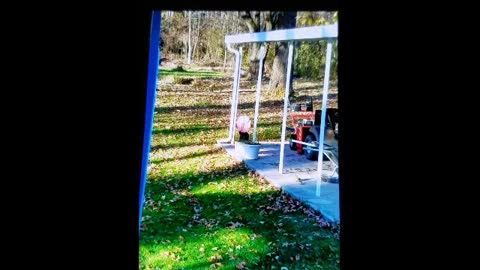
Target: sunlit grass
[(205, 210), (199, 249)]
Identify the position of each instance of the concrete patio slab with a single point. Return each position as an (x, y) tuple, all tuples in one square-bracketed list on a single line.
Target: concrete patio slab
[(299, 177)]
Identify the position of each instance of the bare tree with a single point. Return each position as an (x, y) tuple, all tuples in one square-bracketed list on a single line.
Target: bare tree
[(252, 20), (197, 35), (269, 21), (189, 37)]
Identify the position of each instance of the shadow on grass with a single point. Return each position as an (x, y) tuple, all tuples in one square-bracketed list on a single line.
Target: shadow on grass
[(291, 232), (315, 97), (308, 88), (248, 105), (171, 145), (172, 184), (173, 218), (188, 156), (166, 72), (215, 92), (192, 130)]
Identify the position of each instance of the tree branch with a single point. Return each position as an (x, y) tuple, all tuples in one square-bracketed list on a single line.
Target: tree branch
[(247, 18), (268, 20)]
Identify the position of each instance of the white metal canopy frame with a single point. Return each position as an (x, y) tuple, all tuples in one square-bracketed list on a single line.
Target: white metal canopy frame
[(327, 32)]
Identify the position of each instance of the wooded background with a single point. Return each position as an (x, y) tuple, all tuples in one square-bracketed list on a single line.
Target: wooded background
[(197, 38)]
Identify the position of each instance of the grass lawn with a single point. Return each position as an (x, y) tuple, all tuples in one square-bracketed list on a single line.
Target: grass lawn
[(188, 73), (204, 210)]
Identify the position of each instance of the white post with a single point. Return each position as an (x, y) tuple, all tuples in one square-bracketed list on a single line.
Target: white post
[(285, 101), (326, 80), (239, 68), (257, 97), (231, 127)]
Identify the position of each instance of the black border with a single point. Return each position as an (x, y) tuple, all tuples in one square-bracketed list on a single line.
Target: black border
[(91, 206)]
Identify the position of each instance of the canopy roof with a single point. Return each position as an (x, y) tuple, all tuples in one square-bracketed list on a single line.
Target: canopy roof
[(302, 33)]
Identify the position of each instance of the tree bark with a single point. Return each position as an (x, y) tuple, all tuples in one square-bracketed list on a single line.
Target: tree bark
[(279, 66), (252, 20), (281, 20), (267, 26)]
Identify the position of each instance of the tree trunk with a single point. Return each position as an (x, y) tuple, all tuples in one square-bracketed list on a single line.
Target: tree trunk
[(185, 50), (254, 62), (267, 26), (197, 37), (281, 20), (225, 58), (189, 37), (252, 20), (279, 66), (225, 27)]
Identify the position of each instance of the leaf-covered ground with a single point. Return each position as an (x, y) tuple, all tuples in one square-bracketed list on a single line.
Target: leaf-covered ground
[(203, 209)]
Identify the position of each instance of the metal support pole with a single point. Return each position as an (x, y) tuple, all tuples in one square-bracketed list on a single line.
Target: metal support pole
[(326, 80), (231, 127), (285, 101), (259, 86), (237, 91)]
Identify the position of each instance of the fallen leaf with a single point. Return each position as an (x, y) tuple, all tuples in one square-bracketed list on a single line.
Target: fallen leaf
[(215, 258), (241, 265), (215, 265), (235, 224)]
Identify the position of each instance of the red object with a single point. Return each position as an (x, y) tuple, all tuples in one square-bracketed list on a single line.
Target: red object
[(300, 116), (301, 132), (301, 129)]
